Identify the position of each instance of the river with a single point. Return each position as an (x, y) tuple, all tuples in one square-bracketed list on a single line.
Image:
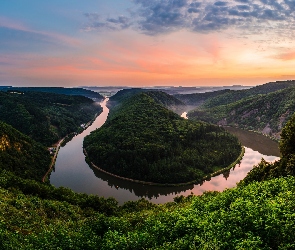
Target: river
[(73, 172)]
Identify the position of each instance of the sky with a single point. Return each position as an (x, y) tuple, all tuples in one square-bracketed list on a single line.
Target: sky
[(146, 42)]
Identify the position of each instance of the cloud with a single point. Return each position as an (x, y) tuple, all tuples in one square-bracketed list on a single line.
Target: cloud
[(286, 56), (96, 22), (15, 37), (155, 17)]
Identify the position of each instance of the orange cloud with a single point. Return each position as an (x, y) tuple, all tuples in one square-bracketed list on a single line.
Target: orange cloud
[(286, 56)]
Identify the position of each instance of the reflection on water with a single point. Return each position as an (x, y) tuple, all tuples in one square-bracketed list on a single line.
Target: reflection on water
[(140, 190), (73, 172), (255, 141)]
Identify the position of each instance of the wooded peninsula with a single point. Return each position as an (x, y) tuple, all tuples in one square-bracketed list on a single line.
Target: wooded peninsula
[(143, 140)]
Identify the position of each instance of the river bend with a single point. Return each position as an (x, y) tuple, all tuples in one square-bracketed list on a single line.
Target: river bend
[(73, 172)]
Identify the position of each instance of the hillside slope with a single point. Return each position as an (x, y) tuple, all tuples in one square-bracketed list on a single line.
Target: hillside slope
[(264, 113), (21, 155), (234, 96), (46, 117), (198, 99)]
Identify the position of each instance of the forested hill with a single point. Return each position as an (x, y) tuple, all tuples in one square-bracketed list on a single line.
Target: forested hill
[(57, 90), (227, 96), (198, 99), (266, 113), (143, 140), (124, 94), (233, 96), (21, 155), (160, 97), (46, 117)]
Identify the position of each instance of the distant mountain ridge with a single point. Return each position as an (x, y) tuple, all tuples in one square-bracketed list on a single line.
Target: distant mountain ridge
[(227, 96), (57, 90), (198, 99), (233, 96)]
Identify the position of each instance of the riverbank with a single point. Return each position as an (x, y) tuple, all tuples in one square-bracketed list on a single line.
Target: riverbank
[(53, 159), (256, 141), (64, 141), (195, 182), (240, 157)]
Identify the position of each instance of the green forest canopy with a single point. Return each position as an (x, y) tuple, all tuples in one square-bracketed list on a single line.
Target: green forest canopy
[(22, 155), (143, 140), (168, 101), (46, 117), (257, 112)]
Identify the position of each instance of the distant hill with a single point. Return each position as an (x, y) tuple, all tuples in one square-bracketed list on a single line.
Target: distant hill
[(198, 99), (160, 97), (233, 96), (46, 117), (57, 90), (229, 95), (266, 113), (21, 155), (168, 101), (143, 140), (124, 94)]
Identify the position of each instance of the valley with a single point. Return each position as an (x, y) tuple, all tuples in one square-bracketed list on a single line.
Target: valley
[(186, 216)]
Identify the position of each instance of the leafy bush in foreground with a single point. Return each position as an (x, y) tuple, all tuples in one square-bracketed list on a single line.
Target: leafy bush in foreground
[(257, 216)]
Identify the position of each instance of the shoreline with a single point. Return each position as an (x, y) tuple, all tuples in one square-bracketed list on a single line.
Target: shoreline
[(59, 144), (254, 131), (194, 182), (53, 159)]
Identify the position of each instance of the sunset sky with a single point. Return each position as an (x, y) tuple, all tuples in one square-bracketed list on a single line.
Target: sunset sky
[(146, 42)]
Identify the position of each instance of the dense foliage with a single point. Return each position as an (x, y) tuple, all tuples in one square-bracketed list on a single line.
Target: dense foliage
[(46, 117), (257, 216), (145, 141), (266, 113), (287, 143), (30, 187), (197, 99), (233, 96), (123, 95), (168, 101), (21, 155), (57, 90), (160, 97)]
